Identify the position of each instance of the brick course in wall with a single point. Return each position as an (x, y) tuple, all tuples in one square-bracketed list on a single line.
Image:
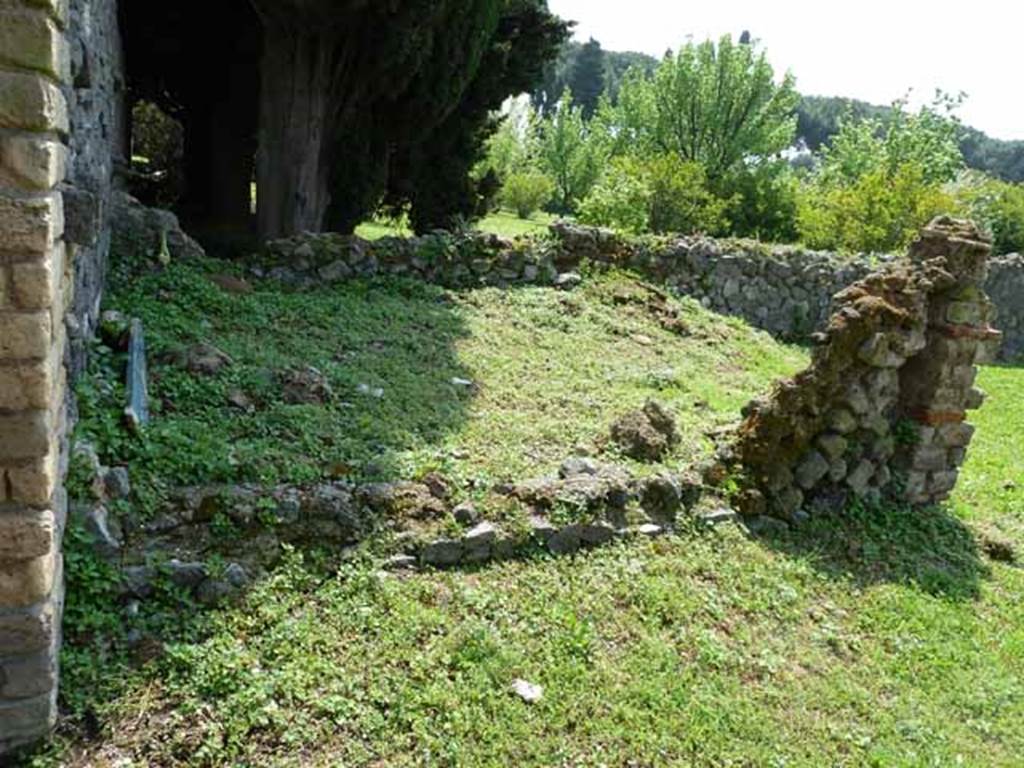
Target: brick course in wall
[(34, 293)]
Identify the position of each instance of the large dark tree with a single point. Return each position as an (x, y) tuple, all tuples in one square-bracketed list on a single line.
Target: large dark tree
[(587, 80), (432, 174), (325, 97)]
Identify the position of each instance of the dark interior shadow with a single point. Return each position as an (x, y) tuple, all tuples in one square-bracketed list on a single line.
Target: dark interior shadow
[(929, 549)]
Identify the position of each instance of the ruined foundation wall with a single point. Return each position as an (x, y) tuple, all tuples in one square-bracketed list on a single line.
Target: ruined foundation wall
[(881, 410)]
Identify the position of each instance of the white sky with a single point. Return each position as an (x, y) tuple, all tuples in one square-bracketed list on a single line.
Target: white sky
[(873, 50)]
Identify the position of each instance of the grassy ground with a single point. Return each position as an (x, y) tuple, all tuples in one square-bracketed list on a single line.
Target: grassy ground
[(501, 222), (883, 639)]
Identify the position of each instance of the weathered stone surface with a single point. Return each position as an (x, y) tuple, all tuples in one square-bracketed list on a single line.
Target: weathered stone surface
[(31, 103), (30, 39), (27, 630), (26, 720), (27, 582), (29, 385), (26, 535), (565, 540), (647, 434), (25, 435), (811, 470), (443, 552), (32, 224), (31, 163), (27, 335), (24, 677), (35, 284)]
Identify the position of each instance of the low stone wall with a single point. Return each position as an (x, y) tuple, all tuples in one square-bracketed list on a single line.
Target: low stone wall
[(1005, 287), (880, 412), (784, 290)]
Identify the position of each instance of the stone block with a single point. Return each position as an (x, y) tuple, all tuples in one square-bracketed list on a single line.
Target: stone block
[(31, 39), (29, 385), (975, 399), (956, 435), (24, 677), (26, 720), (932, 458), (26, 535), (57, 9), (27, 631), (31, 103), (25, 435), (82, 215), (24, 583), (36, 284), (812, 469), (31, 162), (859, 478), (32, 225), (832, 446), (35, 482), (25, 335), (943, 482)]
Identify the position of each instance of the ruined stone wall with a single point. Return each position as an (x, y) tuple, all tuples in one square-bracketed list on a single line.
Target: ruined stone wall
[(880, 412), (784, 290), (35, 290)]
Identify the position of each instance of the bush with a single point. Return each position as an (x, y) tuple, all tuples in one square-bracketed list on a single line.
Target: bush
[(879, 212), (996, 205), (663, 194), (620, 200), (525, 192)]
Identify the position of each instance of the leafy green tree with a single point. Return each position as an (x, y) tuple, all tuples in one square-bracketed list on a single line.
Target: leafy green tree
[(430, 169), (878, 183), (569, 153), (713, 104), (526, 192), (587, 81)]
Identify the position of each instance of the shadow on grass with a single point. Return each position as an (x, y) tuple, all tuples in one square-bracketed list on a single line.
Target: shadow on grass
[(387, 350), (930, 549)]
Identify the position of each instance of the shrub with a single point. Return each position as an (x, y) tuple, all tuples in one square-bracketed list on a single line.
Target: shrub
[(663, 194), (525, 192), (620, 200), (996, 205), (880, 211)]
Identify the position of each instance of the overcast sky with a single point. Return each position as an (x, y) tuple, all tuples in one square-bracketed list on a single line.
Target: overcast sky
[(873, 50)]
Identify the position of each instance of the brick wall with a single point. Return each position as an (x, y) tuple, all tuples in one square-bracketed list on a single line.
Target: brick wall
[(35, 265)]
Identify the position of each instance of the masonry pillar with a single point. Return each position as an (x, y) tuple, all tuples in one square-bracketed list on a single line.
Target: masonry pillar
[(34, 65)]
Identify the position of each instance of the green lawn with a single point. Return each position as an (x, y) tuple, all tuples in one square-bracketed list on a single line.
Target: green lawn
[(501, 222), (882, 639)]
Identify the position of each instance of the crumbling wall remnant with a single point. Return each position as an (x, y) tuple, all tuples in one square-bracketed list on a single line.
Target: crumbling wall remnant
[(881, 410)]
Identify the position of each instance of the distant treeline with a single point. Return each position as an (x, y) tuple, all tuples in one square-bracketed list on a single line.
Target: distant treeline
[(589, 71)]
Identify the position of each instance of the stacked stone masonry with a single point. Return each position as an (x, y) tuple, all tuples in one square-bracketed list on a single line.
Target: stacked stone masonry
[(881, 410), (784, 290), (35, 290)]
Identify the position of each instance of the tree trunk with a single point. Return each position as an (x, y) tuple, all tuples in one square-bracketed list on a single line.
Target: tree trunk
[(293, 162)]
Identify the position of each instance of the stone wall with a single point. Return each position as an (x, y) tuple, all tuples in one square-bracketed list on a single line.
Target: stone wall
[(97, 143), (35, 290), (784, 290), (880, 412)]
